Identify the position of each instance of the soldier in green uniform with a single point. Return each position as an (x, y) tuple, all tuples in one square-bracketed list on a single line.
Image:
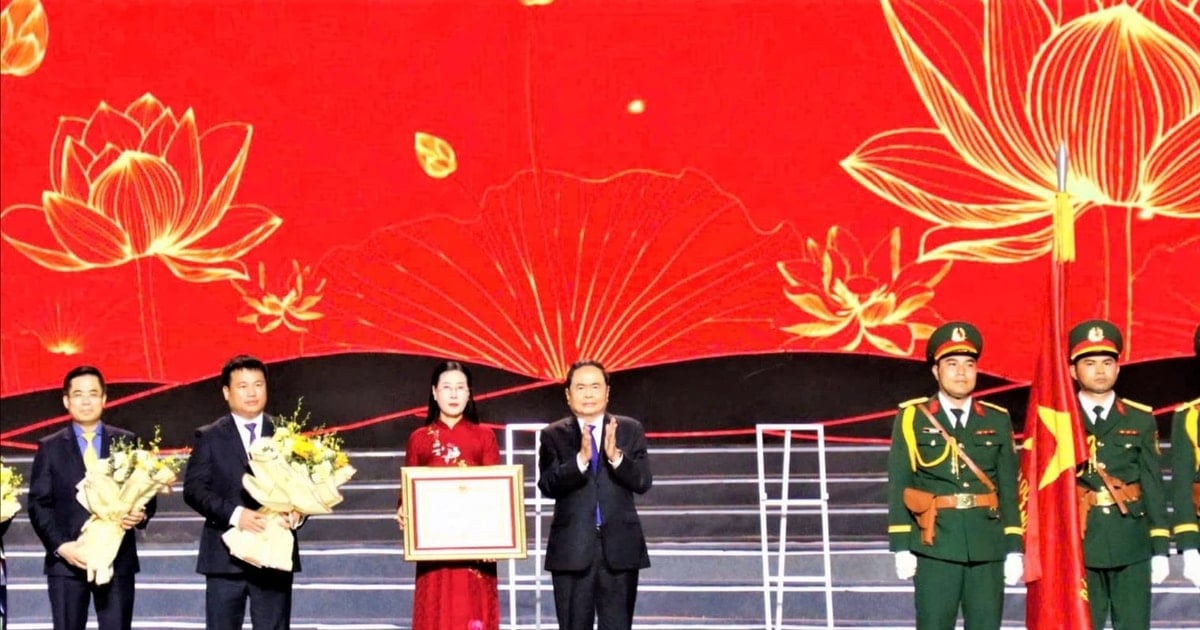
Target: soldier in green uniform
[(953, 520), (1122, 504), (1185, 481)]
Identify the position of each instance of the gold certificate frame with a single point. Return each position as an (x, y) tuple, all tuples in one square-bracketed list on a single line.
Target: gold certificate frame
[(463, 513)]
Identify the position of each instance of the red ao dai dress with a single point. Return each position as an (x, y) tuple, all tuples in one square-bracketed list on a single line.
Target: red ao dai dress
[(460, 595)]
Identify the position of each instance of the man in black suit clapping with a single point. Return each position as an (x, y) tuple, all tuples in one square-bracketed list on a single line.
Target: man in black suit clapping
[(592, 463)]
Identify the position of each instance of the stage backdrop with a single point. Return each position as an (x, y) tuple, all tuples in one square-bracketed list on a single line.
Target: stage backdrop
[(747, 210)]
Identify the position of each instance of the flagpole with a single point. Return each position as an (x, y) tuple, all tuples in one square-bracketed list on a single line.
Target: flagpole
[(1056, 585)]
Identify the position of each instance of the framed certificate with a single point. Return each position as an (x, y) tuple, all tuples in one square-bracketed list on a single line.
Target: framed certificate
[(463, 513)]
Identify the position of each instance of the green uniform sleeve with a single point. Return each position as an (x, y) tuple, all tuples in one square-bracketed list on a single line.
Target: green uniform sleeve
[(1152, 490), (1183, 474), (900, 476), (1006, 486)]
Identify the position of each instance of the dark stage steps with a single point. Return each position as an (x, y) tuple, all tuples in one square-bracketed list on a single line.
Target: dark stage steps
[(702, 519)]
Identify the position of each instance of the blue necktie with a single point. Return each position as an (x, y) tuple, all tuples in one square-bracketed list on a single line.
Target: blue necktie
[(250, 427), (596, 466)]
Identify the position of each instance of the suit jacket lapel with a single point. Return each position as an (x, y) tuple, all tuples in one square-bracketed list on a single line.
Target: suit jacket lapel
[(74, 457), (106, 440), (232, 435)]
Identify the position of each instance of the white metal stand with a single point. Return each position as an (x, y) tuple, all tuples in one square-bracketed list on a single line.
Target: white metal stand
[(775, 584), (535, 501)]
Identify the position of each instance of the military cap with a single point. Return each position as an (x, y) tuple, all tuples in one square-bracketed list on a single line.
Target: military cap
[(954, 338), (1094, 336)]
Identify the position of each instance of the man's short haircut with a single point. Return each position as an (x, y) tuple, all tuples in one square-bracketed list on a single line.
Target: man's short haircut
[(83, 370), (241, 362), (585, 363)]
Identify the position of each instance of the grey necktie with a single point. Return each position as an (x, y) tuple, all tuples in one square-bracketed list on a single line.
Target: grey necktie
[(1098, 411), (958, 418)]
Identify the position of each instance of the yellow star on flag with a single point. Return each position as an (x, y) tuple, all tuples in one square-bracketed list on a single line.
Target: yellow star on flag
[(1058, 423)]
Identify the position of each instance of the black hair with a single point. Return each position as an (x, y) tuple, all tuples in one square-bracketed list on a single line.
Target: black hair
[(433, 412), (241, 362), (582, 363), (83, 370)]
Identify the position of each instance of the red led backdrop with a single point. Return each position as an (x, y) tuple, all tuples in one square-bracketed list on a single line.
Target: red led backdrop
[(647, 183)]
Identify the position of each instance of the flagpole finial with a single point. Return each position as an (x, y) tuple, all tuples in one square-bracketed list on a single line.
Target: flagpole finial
[(1060, 166), (1064, 213)]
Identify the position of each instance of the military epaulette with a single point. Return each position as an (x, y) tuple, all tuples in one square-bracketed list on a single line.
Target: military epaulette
[(994, 406), (1138, 405), (1188, 405), (915, 401)]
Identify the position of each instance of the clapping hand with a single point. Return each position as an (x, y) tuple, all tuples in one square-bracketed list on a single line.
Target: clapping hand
[(610, 440), (586, 446)]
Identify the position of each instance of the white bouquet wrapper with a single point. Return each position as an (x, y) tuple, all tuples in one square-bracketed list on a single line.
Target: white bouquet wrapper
[(282, 487), (108, 500)]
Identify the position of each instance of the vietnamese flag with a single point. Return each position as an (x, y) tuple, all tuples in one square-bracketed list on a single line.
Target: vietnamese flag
[(1054, 576)]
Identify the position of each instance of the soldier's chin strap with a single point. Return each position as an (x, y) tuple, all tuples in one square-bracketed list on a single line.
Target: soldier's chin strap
[(958, 452)]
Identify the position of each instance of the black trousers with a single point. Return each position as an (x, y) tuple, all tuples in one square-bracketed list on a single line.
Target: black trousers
[(582, 597), (270, 594), (69, 596)]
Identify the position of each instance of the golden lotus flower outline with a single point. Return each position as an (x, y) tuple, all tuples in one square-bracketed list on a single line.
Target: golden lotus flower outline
[(985, 175), (855, 297), (141, 183), (270, 311), (24, 36)]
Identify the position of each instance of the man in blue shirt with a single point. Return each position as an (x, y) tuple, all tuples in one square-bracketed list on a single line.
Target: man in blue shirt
[(61, 462)]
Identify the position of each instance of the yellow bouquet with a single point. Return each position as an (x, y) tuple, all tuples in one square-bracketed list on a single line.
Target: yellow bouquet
[(293, 471), (10, 490), (122, 483)]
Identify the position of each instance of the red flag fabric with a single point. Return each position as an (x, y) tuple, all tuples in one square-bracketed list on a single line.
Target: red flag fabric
[(1056, 589)]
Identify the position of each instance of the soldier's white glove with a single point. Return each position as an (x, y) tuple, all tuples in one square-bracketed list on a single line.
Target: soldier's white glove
[(906, 565), (1014, 568), (1159, 569), (1191, 566)]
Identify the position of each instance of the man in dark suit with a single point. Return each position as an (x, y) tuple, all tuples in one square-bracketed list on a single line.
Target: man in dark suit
[(592, 463), (213, 487), (62, 459)]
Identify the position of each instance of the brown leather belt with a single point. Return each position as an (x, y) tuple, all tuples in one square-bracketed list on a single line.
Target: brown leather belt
[(965, 501), (1089, 498)]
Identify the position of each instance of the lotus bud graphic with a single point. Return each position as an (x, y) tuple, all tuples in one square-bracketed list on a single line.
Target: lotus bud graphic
[(23, 37)]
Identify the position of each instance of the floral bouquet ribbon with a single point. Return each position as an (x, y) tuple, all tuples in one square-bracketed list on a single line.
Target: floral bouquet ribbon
[(291, 473), (109, 491)]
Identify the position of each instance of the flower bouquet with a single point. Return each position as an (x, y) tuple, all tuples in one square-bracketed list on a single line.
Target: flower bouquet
[(10, 489), (122, 483), (293, 471)]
